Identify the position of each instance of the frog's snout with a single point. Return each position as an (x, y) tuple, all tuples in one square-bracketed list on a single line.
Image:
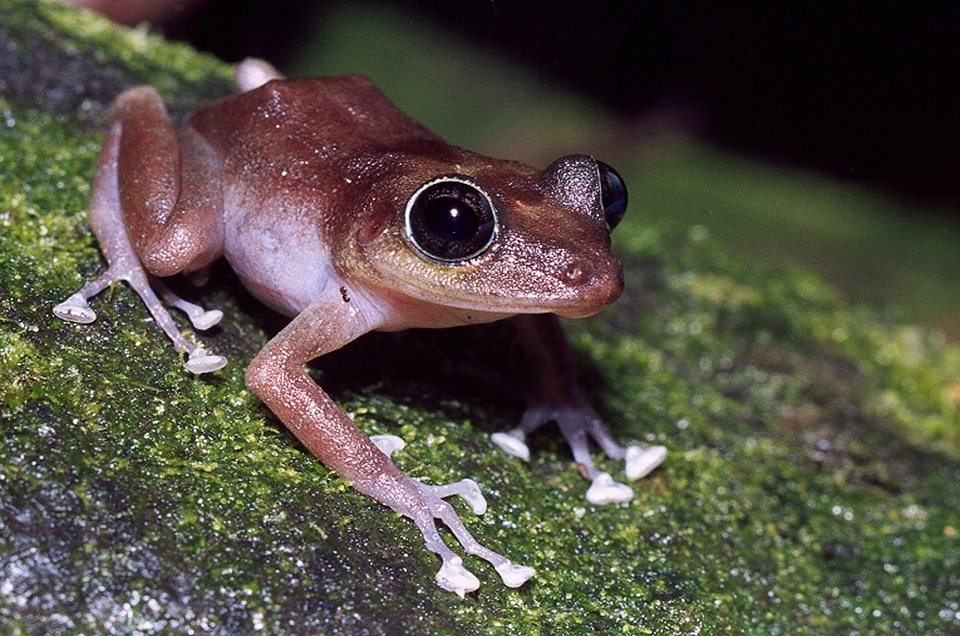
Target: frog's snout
[(593, 285)]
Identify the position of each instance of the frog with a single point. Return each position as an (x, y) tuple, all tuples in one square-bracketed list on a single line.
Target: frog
[(339, 211)]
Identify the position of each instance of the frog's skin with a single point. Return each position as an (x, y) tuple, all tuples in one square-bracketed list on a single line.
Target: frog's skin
[(339, 211)]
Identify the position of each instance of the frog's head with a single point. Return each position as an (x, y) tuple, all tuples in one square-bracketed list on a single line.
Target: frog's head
[(498, 238)]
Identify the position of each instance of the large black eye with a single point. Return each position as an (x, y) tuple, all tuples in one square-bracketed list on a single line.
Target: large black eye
[(613, 195), (450, 220)]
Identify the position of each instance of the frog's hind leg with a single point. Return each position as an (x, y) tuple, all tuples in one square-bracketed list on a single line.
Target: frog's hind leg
[(106, 219)]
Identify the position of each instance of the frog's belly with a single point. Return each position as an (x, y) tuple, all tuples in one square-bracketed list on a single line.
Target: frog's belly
[(280, 260)]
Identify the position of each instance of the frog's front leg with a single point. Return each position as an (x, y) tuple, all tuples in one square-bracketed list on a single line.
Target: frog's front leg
[(139, 192), (558, 398), (278, 377)]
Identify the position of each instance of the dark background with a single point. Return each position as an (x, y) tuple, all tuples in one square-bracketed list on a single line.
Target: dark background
[(864, 91)]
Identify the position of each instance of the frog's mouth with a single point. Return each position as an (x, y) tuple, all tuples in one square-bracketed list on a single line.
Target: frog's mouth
[(571, 292)]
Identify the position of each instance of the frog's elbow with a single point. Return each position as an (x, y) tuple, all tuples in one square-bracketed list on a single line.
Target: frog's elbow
[(265, 373)]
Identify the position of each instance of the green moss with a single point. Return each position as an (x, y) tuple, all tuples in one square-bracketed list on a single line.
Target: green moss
[(811, 485)]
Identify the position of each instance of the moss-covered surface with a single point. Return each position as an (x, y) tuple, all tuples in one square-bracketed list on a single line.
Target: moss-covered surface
[(811, 485)]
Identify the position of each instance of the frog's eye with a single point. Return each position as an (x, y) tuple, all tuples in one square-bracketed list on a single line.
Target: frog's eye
[(613, 195), (450, 219)]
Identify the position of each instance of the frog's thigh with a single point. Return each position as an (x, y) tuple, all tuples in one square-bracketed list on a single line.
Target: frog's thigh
[(192, 237), (169, 187)]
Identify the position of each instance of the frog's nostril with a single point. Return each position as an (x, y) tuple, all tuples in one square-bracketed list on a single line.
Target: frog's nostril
[(576, 273), (591, 285)]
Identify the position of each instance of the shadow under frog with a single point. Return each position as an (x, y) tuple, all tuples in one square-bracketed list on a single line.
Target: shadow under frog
[(340, 212)]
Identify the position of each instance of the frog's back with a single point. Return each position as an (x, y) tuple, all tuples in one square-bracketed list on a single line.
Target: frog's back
[(345, 114)]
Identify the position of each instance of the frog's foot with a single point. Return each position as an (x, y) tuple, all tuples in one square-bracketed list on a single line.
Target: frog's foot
[(578, 424), (76, 309), (429, 505), (388, 444), (453, 576)]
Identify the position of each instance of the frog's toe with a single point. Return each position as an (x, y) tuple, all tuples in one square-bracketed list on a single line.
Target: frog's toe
[(206, 319), (201, 319), (512, 443), (604, 490), (466, 488), (388, 444), (253, 73), (200, 361), (75, 309), (453, 577), (640, 462), (514, 575)]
